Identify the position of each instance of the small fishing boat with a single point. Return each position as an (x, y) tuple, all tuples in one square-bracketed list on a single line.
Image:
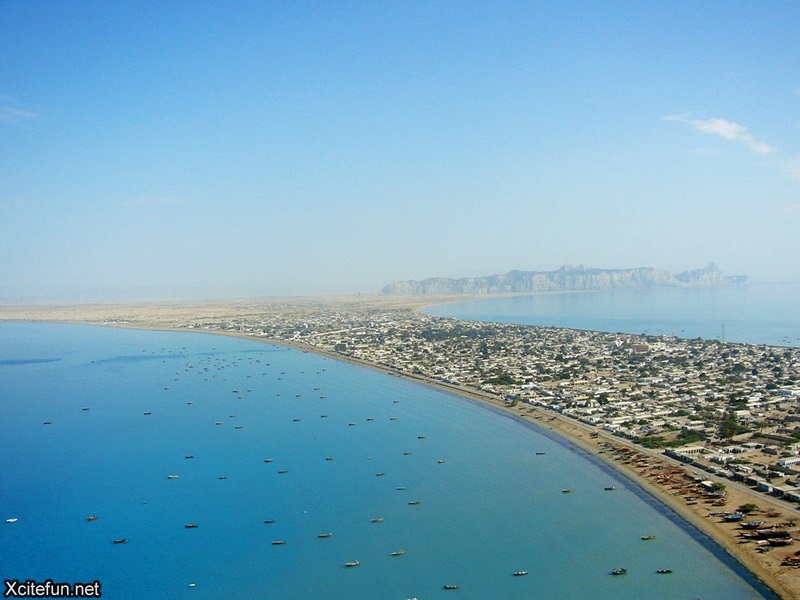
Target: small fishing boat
[(540, 454), (520, 573), (282, 471), (376, 520), (13, 520), (354, 563), (664, 571), (329, 458), (278, 542), (121, 541), (610, 488), (189, 456), (620, 571), (90, 518), (732, 517), (648, 537), (450, 587), (268, 460), (751, 524), (567, 491), (191, 526), (269, 521), (324, 535), (440, 461), (413, 502), (381, 474), (172, 476), (398, 552)]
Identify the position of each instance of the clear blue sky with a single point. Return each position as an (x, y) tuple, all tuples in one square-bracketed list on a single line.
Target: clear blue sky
[(177, 149)]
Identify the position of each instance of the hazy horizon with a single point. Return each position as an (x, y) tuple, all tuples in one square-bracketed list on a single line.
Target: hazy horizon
[(200, 150)]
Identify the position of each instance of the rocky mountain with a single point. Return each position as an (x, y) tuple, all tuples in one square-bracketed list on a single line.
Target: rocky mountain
[(567, 278)]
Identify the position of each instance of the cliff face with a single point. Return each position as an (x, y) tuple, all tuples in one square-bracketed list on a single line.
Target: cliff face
[(567, 278)]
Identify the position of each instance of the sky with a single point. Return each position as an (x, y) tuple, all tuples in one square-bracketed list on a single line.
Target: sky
[(186, 149)]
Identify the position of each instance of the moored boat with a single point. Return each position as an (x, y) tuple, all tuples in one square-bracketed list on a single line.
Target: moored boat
[(610, 488)]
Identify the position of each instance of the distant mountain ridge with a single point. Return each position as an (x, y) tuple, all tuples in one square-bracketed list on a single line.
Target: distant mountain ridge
[(567, 278)]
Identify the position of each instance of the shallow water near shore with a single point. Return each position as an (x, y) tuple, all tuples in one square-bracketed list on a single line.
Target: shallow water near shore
[(489, 488), (751, 313)]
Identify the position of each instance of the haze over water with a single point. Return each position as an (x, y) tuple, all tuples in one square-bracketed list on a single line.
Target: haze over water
[(489, 504), (751, 313)]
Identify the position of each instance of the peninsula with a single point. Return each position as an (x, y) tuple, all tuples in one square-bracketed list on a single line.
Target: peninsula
[(708, 428)]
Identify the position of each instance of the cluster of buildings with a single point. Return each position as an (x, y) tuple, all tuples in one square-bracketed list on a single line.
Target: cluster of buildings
[(733, 409)]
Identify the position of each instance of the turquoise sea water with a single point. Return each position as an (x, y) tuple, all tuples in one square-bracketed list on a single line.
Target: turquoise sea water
[(752, 313), (492, 507)]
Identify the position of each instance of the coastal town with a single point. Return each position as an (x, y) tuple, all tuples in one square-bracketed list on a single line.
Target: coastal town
[(711, 429), (730, 409)]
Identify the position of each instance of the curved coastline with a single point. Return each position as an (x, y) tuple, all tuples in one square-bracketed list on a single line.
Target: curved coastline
[(763, 572)]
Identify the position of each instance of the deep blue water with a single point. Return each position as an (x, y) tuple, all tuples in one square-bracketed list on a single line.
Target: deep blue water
[(491, 508), (752, 313)]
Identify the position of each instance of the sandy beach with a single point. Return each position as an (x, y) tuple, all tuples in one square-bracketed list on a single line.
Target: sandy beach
[(674, 485)]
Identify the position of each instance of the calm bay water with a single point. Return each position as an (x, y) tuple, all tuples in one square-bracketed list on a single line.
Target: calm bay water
[(492, 507), (752, 313)]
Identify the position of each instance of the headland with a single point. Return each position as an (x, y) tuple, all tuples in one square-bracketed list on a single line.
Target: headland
[(621, 398)]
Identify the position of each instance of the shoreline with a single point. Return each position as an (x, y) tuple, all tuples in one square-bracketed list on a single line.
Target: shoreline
[(565, 431), (643, 472)]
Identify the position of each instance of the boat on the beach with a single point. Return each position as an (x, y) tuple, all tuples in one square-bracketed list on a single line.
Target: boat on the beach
[(620, 571), (732, 517), (751, 524)]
